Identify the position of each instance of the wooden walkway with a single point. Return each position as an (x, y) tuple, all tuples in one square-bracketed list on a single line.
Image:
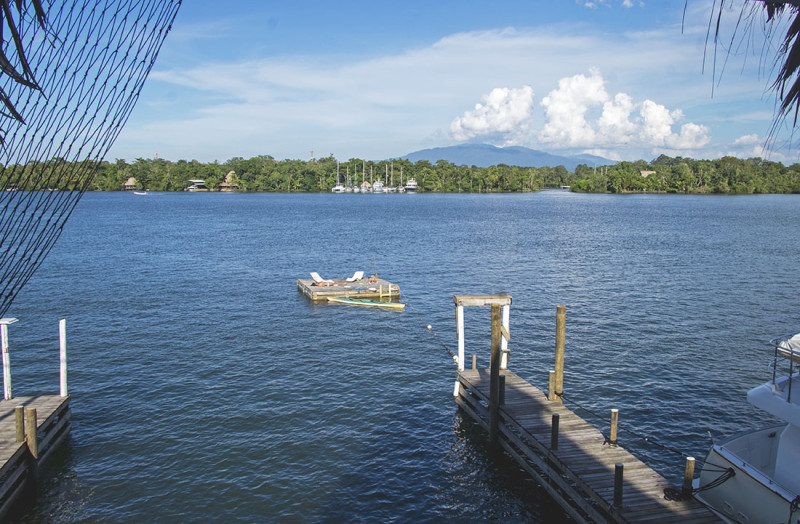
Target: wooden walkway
[(18, 462), (579, 474)]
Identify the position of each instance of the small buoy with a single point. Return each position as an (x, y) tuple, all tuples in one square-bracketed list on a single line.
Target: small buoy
[(430, 327)]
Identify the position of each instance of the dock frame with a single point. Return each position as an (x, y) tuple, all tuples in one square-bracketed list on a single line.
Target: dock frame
[(31, 427), (591, 477)]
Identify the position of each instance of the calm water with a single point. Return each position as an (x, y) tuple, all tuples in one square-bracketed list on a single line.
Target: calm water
[(205, 387)]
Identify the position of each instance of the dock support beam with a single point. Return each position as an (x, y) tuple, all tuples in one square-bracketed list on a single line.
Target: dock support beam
[(4, 323), (460, 335), (498, 358), (62, 344), (494, 377), (504, 339)]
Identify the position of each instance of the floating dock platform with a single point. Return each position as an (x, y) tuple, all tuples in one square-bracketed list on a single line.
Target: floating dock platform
[(370, 287), (591, 476)]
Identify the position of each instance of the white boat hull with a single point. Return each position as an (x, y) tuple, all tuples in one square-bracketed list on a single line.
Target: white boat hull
[(751, 495)]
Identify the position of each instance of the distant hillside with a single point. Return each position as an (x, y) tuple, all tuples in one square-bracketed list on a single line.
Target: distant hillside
[(485, 155)]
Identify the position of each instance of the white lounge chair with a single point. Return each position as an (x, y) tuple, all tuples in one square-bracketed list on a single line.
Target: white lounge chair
[(318, 279), (358, 275)]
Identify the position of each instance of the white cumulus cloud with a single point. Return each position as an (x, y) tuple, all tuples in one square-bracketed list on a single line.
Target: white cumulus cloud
[(503, 111), (566, 108)]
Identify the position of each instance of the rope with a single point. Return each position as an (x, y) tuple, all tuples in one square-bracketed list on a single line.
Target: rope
[(676, 494), (645, 438), (793, 507), (75, 71), (428, 327)]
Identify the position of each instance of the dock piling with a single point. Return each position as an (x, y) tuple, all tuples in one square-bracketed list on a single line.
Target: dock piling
[(554, 431), (618, 470), (494, 377), (30, 431), (62, 346), (474, 362), (460, 335), (688, 476), (4, 323), (561, 323), (612, 439), (19, 422), (502, 389)]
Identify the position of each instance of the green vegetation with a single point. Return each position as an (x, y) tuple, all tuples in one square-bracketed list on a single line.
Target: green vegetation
[(264, 173)]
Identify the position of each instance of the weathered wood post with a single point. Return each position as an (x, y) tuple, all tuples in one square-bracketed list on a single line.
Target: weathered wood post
[(62, 344), (31, 427), (618, 471), (19, 422), (502, 389), (556, 386), (554, 431), (494, 377), (30, 431), (561, 323), (688, 476), (4, 323), (612, 439), (474, 362)]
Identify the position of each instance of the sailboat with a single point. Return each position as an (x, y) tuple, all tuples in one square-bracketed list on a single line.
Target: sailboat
[(338, 188)]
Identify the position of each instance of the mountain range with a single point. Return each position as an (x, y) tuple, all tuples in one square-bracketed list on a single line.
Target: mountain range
[(485, 155)]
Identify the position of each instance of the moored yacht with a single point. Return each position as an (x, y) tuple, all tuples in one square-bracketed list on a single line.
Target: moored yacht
[(411, 186), (755, 476)]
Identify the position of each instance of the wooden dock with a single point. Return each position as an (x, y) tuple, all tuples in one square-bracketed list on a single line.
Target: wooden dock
[(23, 451), (340, 288), (588, 474), (31, 427)]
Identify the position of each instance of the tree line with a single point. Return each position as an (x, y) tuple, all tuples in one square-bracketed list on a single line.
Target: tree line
[(266, 174)]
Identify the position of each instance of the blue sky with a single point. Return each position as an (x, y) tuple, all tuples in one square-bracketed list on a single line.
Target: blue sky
[(375, 80)]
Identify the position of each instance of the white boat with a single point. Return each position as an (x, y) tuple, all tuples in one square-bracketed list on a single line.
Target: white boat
[(411, 186), (377, 187), (755, 476), (196, 185)]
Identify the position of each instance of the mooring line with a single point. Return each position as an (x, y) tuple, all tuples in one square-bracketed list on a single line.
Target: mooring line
[(428, 327), (641, 436)]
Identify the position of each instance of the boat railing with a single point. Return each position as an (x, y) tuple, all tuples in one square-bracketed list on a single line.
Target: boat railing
[(785, 351)]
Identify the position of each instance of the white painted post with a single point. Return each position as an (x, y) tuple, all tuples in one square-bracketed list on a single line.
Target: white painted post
[(460, 333), (4, 322), (62, 343), (503, 340)]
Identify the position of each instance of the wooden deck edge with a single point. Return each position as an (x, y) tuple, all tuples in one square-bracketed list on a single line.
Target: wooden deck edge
[(15, 489), (9, 465), (15, 472)]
